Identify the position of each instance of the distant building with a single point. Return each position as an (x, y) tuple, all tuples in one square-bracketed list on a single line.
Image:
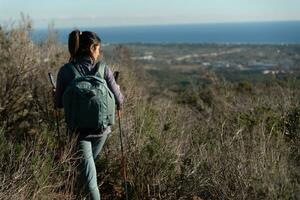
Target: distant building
[(148, 56), (276, 72)]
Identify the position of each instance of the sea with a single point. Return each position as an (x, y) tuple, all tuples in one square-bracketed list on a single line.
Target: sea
[(286, 32)]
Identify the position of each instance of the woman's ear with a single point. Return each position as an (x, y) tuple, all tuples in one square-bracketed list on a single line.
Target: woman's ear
[(92, 48)]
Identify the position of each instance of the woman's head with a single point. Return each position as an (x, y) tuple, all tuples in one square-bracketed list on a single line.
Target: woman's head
[(84, 43)]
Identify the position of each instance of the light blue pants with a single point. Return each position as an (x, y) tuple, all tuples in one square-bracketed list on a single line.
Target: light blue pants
[(89, 149)]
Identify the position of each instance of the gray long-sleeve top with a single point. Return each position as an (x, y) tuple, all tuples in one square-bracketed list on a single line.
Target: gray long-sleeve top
[(86, 67)]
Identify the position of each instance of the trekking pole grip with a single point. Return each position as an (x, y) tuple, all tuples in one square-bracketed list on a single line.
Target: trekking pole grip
[(119, 113), (51, 80)]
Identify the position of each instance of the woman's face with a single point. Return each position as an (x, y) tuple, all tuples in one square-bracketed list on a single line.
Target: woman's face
[(95, 51)]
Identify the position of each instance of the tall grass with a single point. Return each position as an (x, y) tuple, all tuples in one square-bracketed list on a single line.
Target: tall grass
[(214, 141)]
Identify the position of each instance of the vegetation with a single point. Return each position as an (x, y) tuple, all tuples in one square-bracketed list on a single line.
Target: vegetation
[(213, 140)]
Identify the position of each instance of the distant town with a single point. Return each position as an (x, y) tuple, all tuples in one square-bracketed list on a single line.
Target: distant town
[(236, 62)]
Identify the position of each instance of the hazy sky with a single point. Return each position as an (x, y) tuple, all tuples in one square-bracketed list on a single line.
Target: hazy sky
[(145, 12)]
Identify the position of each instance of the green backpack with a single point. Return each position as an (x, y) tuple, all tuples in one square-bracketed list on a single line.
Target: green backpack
[(88, 103)]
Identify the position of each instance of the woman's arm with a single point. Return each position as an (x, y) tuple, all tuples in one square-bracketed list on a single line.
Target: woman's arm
[(64, 77), (113, 86)]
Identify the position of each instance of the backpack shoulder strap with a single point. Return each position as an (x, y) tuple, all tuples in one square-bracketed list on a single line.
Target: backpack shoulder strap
[(74, 69), (101, 69)]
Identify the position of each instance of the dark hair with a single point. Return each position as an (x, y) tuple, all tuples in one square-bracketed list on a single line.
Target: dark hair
[(80, 42)]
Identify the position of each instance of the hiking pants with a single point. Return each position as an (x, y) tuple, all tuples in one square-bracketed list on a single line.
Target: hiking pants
[(89, 149)]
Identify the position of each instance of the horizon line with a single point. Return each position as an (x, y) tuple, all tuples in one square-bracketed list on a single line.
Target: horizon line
[(166, 24)]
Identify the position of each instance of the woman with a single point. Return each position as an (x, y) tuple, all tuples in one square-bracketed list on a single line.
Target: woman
[(85, 49)]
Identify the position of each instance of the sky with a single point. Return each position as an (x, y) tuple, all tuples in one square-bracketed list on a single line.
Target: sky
[(91, 13)]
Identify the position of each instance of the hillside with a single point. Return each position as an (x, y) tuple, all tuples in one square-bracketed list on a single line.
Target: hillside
[(212, 138)]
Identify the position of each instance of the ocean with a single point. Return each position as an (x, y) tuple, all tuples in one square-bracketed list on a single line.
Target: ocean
[(245, 33)]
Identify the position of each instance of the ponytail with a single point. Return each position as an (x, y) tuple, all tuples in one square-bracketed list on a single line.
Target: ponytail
[(73, 43)]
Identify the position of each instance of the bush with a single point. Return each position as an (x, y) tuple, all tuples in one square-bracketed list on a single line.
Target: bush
[(220, 141)]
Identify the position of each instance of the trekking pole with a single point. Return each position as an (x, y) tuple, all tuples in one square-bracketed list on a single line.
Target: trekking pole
[(56, 111), (123, 163)]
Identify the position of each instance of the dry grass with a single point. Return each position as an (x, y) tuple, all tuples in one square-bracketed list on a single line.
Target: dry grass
[(218, 141)]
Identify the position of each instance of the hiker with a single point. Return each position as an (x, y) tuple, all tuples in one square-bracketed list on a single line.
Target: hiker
[(85, 49)]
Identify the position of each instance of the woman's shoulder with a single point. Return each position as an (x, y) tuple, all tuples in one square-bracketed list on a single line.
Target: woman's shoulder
[(66, 71), (102, 68), (101, 64), (104, 65), (67, 67)]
